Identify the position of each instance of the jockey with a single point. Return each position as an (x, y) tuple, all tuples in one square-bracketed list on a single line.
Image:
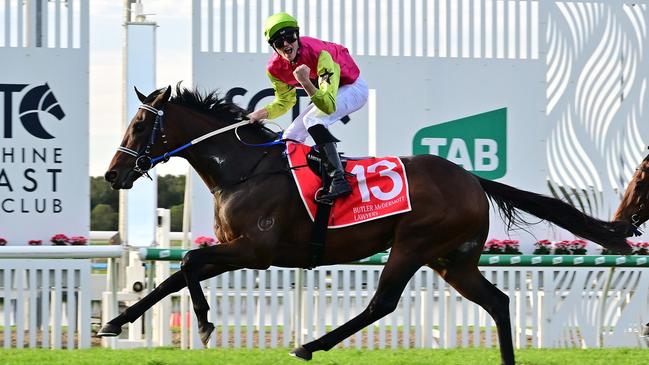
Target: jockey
[(328, 74)]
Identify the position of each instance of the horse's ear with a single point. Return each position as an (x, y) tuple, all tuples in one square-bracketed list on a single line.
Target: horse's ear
[(166, 94), (139, 95)]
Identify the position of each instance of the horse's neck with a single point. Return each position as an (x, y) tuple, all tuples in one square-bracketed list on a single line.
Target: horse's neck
[(224, 165), (205, 157), (221, 161)]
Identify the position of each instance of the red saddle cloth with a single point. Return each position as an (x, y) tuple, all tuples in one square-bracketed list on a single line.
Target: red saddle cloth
[(380, 188)]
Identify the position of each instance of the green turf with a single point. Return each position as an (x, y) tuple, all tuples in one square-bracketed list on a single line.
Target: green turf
[(169, 356)]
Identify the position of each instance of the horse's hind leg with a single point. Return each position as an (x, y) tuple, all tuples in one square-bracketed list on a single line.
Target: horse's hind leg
[(172, 284), (465, 277), (396, 274)]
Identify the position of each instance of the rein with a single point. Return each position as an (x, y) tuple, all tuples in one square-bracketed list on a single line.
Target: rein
[(144, 162)]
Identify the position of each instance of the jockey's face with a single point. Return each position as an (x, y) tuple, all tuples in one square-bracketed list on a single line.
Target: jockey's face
[(288, 50), (286, 44)]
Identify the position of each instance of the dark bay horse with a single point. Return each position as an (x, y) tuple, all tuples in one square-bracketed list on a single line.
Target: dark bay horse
[(262, 222), (633, 210)]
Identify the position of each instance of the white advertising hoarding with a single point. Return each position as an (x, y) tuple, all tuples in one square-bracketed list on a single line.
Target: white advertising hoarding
[(44, 186)]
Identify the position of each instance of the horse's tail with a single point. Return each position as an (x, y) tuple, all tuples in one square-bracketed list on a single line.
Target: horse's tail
[(509, 200)]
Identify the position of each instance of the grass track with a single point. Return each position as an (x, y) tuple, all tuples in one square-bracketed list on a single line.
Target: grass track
[(173, 356)]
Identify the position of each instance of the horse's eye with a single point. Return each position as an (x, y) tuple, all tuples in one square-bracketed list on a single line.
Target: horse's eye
[(138, 127)]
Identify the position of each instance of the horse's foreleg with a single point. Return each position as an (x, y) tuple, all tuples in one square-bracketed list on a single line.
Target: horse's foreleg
[(234, 255), (172, 284), (394, 277), (205, 328)]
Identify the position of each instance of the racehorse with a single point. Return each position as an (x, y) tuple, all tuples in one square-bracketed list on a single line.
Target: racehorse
[(633, 210), (261, 221)]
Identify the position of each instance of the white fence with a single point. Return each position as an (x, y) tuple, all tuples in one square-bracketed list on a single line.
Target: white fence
[(550, 307), (45, 303), (45, 295), (60, 24)]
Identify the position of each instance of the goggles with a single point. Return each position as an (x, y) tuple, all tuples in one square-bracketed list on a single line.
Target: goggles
[(288, 35)]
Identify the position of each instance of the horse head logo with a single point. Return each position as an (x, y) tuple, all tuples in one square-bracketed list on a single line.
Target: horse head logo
[(37, 100)]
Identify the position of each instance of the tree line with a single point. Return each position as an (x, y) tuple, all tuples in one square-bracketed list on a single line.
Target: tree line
[(104, 202)]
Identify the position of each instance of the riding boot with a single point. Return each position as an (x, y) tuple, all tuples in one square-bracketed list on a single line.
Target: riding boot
[(334, 169)]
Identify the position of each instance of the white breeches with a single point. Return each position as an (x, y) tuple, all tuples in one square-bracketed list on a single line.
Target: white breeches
[(350, 98)]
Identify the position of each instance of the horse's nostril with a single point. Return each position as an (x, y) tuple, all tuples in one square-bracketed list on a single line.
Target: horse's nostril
[(111, 176)]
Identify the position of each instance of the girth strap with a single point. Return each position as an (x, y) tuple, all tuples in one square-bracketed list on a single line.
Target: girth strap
[(319, 234), (321, 221)]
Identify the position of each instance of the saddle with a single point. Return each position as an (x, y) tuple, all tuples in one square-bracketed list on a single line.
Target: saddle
[(306, 164)]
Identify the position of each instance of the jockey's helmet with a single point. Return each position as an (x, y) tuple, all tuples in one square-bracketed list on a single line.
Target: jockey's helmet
[(277, 22)]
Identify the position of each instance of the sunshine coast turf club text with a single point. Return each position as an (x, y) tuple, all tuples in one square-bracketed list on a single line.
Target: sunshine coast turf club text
[(35, 170)]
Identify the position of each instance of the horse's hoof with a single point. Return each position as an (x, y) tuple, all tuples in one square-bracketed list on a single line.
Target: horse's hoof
[(109, 330), (206, 332), (645, 331), (302, 353)]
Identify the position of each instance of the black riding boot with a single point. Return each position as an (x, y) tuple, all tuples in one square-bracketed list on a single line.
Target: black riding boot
[(334, 168)]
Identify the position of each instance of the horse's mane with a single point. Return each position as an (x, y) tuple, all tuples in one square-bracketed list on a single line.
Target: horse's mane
[(204, 102), (211, 104)]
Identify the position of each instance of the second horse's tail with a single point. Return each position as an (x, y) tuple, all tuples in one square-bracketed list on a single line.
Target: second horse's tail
[(509, 200)]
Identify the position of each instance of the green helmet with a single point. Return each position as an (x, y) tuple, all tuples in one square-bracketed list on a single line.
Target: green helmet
[(276, 22)]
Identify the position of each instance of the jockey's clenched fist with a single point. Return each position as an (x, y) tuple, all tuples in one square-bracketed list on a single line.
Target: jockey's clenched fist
[(301, 73)]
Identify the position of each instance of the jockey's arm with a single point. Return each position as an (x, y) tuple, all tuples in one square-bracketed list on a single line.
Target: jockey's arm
[(328, 81), (285, 98)]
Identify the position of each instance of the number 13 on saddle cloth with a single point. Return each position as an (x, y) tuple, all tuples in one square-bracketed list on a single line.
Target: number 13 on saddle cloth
[(380, 188)]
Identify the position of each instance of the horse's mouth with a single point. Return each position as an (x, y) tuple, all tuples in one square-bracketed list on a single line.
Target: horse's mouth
[(633, 231), (122, 185), (125, 183)]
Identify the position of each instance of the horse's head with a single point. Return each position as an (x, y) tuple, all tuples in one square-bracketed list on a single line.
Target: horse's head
[(634, 208), (143, 140)]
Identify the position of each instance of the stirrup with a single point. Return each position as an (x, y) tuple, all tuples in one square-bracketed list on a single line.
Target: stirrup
[(317, 197), (328, 195)]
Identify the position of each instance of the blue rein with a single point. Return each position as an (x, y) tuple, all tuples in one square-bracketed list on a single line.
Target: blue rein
[(144, 163), (167, 155), (279, 140)]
